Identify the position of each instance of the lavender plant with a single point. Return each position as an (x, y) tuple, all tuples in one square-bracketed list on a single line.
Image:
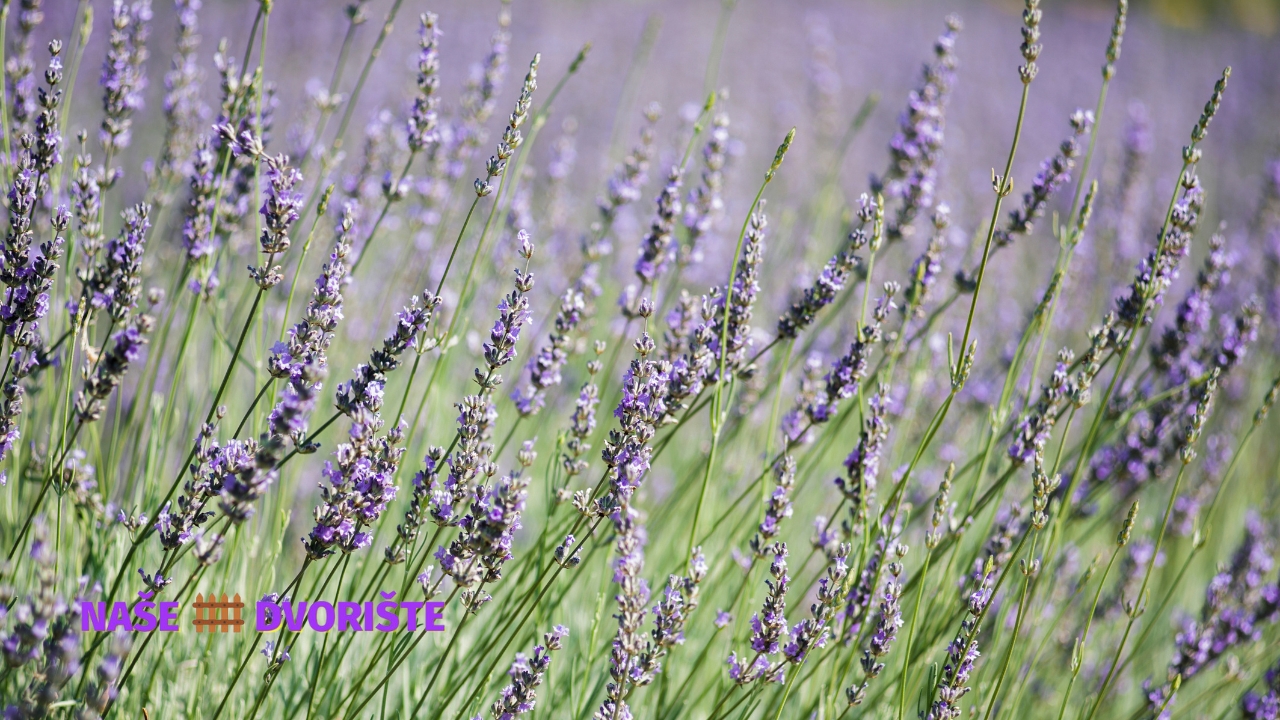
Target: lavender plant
[(255, 324)]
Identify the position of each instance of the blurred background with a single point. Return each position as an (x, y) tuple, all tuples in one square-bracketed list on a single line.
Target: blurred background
[(803, 63)]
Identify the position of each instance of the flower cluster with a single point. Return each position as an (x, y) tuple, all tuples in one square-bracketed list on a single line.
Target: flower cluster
[(657, 248), (527, 673), (307, 342), (704, 204), (484, 543), (544, 367), (639, 412), (962, 652), (777, 509), (862, 466), (768, 628), (115, 284), (124, 73), (361, 484), (582, 423), (110, 369), (1235, 605), (916, 149), (887, 625), (423, 118), (1054, 172), (817, 405), (812, 632), (182, 107), (47, 629), (732, 327), (511, 138)]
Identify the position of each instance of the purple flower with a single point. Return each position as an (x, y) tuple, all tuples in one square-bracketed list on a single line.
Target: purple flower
[(811, 633), (423, 118), (486, 535), (1234, 606), (823, 291), (768, 627), (1267, 705), (863, 464), (916, 149), (544, 367), (1055, 171), (657, 248), (887, 625), (640, 410), (111, 368), (124, 71), (733, 327), (282, 205), (624, 187), (307, 342), (777, 508), (526, 673), (816, 406), (361, 484), (704, 205), (182, 107)]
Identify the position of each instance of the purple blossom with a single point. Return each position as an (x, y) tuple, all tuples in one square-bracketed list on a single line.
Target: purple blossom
[(640, 410), (821, 294), (544, 367), (704, 205), (124, 71), (307, 342), (125, 348), (817, 406), (811, 633), (863, 463), (768, 628), (1055, 171), (733, 328), (1267, 705), (657, 248), (1234, 607), (423, 117), (527, 673), (916, 149), (486, 535), (361, 484), (182, 107)]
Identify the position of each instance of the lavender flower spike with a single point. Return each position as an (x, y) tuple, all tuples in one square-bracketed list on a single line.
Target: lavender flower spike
[(527, 673), (629, 645), (544, 367), (111, 368), (916, 150), (768, 627), (657, 248), (887, 626), (1229, 617), (1054, 173), (123, 74), (811, 633), (1267, 705), (734, 326), (182, 106), (821, 294), (484, 545), (423, 118), (115, 283), (308, 340)]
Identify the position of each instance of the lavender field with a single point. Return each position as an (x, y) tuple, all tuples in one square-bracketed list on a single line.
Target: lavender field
[(718, 360)]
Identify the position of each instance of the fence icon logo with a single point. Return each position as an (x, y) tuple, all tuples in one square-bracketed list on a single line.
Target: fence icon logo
[(215, 614)]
